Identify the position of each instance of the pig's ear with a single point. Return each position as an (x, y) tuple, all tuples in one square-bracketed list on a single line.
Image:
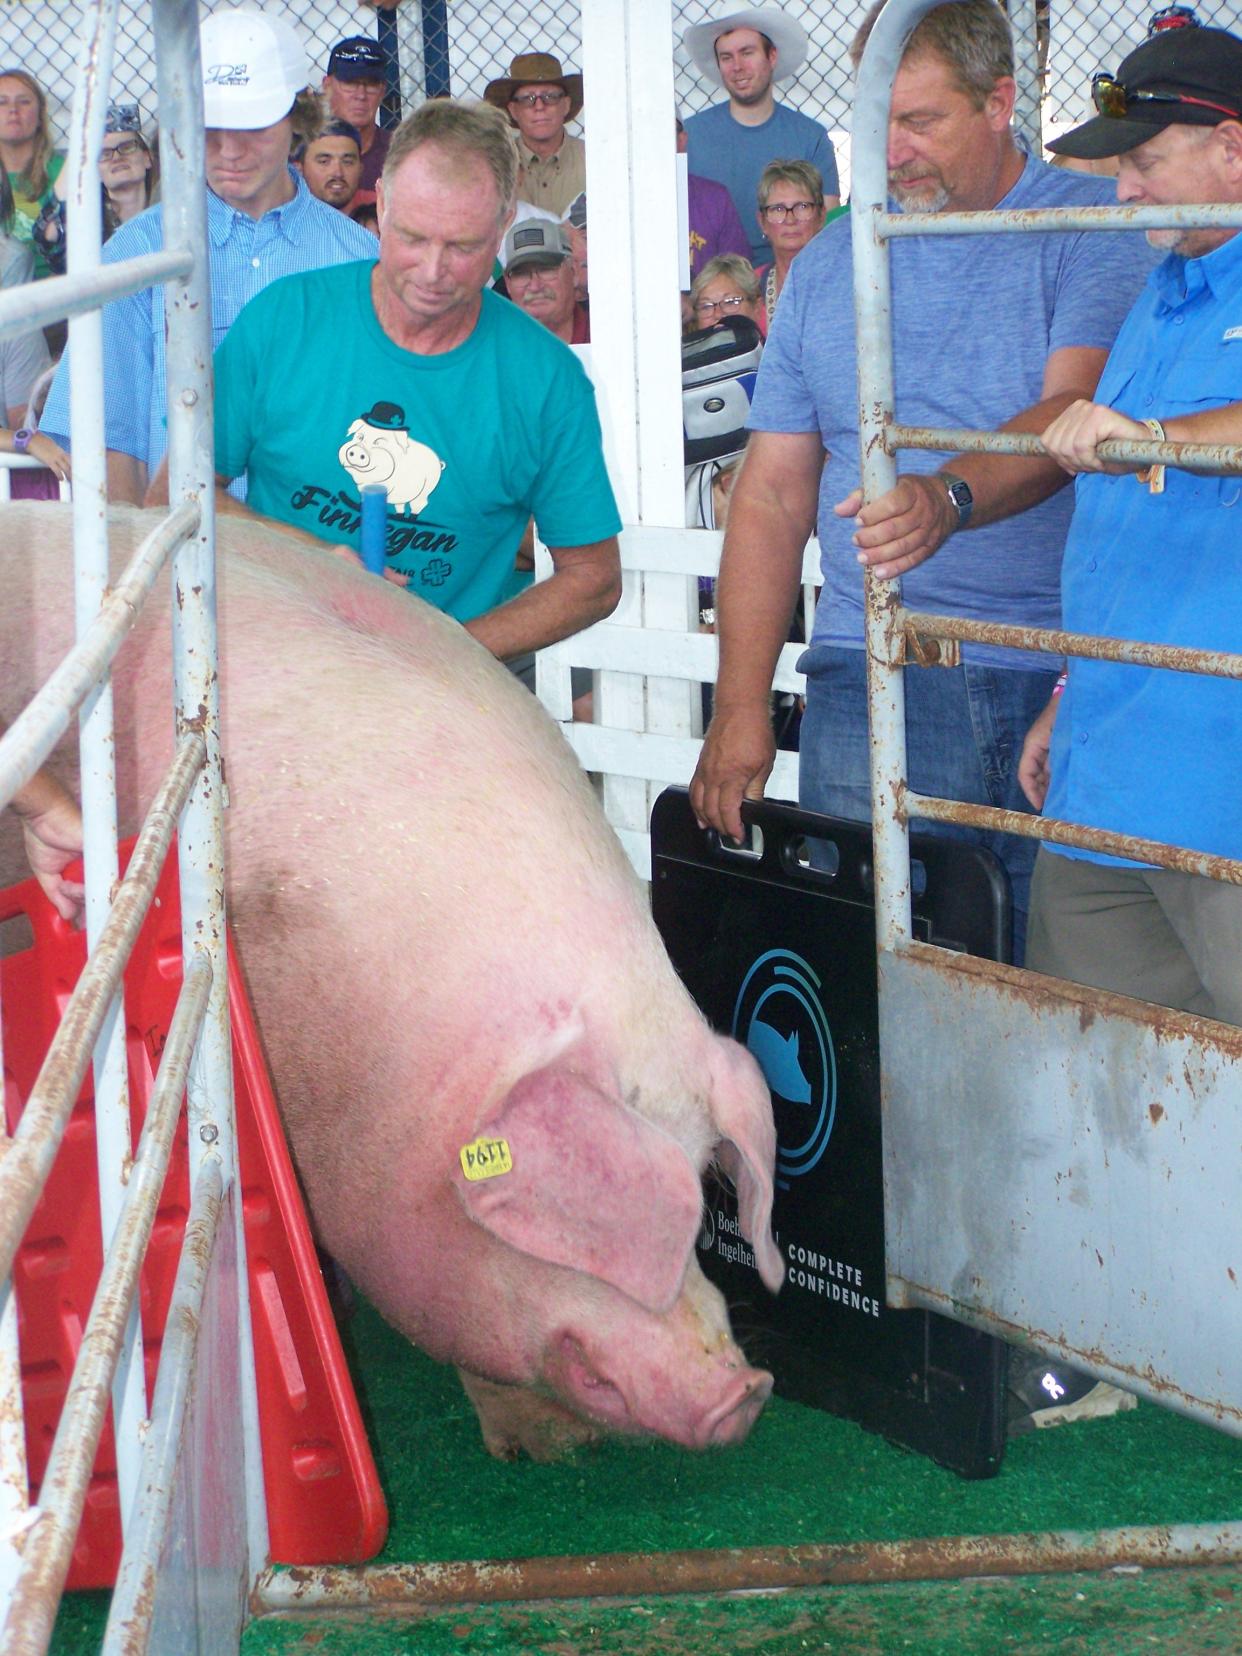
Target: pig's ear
[(589, 1184), (741, 1107)]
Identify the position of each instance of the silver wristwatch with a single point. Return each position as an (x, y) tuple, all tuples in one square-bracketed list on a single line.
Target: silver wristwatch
[(960, 497)]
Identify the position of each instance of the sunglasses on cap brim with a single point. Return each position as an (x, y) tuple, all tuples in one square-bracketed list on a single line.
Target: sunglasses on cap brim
[(1112, 98)]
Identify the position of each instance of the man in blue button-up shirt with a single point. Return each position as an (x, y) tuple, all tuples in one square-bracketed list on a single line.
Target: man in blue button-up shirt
[(262, 223), (1148, 751)]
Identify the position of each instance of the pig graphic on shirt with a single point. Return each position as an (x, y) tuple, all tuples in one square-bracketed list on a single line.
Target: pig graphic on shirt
[(379, 449)]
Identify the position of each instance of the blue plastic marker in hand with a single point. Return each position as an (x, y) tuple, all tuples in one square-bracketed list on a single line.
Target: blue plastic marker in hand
[(374, 523)]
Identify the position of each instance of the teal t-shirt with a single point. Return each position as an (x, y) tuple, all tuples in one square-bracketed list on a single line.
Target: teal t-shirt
[(313, 400)]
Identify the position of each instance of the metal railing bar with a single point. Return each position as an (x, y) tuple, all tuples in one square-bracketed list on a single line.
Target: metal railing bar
[(1058, 832), (42, 723), (873, 316), (735, 1569), (49, 1542), (1202, 217), (35, 304), (1051, 641), (1211, 459), (32, 1149), (133, 1600), (96, 727)]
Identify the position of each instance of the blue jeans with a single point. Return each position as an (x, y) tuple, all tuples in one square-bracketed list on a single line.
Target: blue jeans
[(964, 732)]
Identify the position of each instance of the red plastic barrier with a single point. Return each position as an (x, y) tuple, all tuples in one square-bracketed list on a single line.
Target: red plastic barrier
[(323, 1495)]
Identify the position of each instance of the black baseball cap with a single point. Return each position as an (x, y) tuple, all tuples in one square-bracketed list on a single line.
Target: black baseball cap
[(358, 58), (1182, 76)]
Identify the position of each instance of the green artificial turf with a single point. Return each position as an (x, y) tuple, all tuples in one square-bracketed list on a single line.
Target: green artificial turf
[(803, 1476)]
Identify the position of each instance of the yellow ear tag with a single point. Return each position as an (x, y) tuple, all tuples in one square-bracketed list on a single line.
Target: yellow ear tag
[(486, 1159)]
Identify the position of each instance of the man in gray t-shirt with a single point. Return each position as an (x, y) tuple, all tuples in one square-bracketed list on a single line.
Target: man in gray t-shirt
[(989, 331)]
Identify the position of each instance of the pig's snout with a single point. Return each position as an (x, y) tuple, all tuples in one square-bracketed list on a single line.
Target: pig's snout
[(736, 1410), (356, 458)]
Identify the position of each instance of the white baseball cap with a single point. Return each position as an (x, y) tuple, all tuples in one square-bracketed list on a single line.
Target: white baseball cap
[(254, 66)]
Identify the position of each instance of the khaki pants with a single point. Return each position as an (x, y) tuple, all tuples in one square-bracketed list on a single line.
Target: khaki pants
[(1151, 933)]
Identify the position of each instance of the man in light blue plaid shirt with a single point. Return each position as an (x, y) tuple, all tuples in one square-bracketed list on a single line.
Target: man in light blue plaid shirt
[(262, 223)]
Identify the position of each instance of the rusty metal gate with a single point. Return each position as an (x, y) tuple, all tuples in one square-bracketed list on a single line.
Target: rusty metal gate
[(1064, 1169), (189, 1476)]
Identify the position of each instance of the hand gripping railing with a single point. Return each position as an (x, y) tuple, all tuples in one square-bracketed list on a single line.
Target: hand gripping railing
[(36, 1542), (889, 624)]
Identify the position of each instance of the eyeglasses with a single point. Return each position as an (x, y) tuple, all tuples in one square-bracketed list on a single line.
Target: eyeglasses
[(799, 210), (708, 307), (127, 146), (1113, 99), (528, 100)]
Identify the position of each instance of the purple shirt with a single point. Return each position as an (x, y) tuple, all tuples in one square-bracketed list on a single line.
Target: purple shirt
[(714, 224), (373, 160)]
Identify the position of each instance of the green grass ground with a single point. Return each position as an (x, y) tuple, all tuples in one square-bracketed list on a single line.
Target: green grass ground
[(802, 1477)]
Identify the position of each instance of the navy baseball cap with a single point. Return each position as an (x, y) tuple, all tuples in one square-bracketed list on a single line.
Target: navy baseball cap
[(358, 58), (1181, 76)]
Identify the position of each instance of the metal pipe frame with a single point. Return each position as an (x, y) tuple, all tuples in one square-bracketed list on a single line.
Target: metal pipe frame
[(396, 1587), (35, 304), (97, 744), (873, 324), (888, 625), (36, 731), (48, 1547), (993, 221), (33, 1147), (200, 842), (133, 1598), (193, 791), (1208, 458), (1178, 658), (922, 1262), (1057, 832)]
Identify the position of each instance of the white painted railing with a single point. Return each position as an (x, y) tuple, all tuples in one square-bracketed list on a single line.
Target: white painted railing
[(654, 636)]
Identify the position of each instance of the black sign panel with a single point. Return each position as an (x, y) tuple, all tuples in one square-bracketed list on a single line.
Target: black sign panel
[(777, 946)]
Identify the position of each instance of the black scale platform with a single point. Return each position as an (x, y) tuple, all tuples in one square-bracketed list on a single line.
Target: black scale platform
[(777, 946)]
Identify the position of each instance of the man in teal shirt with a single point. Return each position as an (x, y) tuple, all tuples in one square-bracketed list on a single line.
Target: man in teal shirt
[(406, 373)]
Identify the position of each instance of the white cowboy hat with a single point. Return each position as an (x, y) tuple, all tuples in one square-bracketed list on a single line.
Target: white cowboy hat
[(788, 38)]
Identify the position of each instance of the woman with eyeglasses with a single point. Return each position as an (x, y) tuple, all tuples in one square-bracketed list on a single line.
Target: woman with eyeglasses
[(791, 210), (725, 288), (127, 179), (127, 170), (26, 150)]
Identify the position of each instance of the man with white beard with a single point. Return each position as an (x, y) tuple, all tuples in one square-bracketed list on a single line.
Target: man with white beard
[(990, 332)]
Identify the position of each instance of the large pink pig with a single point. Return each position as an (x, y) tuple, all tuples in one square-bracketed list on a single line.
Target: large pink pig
[(499, 1096)]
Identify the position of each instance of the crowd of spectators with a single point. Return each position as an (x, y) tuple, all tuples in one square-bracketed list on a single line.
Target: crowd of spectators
[(329, 149)]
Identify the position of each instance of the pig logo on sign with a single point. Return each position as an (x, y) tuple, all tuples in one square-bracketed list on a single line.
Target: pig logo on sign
[(379, 449)]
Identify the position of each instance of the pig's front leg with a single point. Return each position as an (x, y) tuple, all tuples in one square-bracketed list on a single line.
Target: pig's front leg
[(515, 1418)]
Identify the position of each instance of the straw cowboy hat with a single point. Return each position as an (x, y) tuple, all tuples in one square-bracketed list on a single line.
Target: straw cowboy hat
[(534, 69), (788, 38)]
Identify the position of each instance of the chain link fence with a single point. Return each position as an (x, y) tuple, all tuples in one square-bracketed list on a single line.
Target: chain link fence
[(459, 45)]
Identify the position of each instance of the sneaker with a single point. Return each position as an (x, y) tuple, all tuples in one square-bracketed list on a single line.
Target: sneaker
[(1046, 1392)]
